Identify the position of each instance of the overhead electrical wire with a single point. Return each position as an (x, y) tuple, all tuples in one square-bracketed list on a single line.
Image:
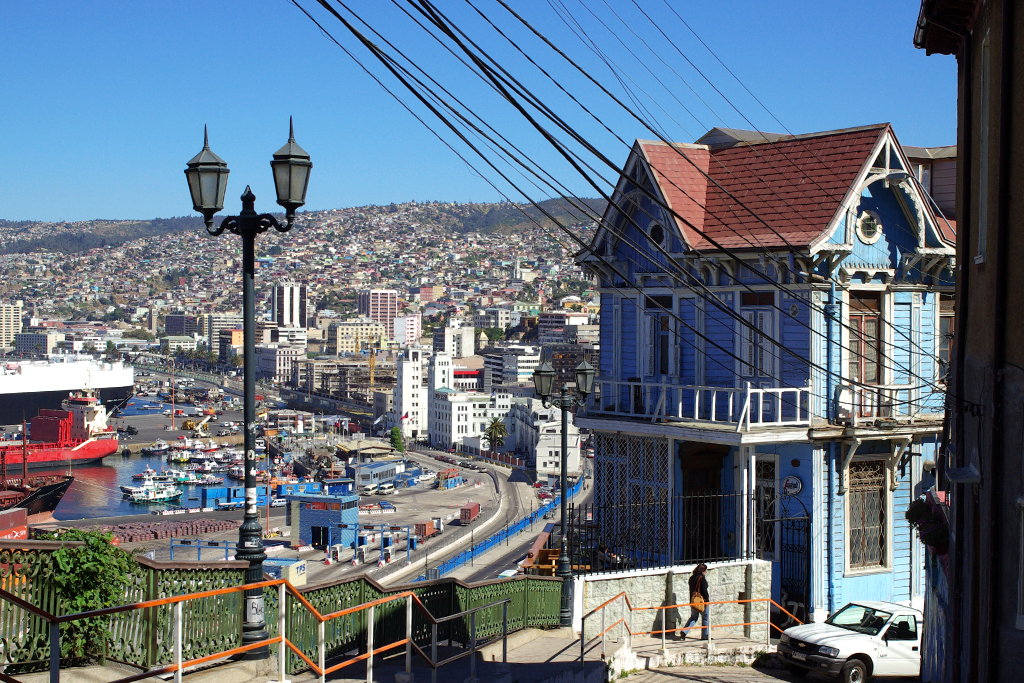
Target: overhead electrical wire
[(432, 15), (639, 250)]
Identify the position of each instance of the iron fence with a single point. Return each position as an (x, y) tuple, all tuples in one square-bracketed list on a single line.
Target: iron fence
[(701, 527)]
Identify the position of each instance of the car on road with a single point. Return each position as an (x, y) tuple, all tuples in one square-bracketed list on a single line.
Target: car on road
[(861, 640), (277, 502), (539, 485), (544, 495)]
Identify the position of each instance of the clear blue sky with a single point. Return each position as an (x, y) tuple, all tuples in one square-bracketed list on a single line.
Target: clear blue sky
[(104, 102)]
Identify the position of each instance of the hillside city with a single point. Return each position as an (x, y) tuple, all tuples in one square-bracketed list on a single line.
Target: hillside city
[(494, 294)]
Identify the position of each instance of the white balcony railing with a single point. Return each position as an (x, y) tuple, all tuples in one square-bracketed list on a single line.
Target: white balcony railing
[(746, 407), (854, 404)]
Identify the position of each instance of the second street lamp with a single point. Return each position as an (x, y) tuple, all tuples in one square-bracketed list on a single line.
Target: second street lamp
[(543, 382), (207, 176)]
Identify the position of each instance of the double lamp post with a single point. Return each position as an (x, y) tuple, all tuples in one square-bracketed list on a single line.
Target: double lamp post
[(207, 176), (543, 382)]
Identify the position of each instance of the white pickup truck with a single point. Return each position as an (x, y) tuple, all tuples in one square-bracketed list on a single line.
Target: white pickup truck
[(861, 640)]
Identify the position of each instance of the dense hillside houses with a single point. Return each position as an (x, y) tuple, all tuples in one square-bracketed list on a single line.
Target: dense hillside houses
[(773, 344)]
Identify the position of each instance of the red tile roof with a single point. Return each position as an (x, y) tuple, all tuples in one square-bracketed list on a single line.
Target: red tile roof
[(794, 184)]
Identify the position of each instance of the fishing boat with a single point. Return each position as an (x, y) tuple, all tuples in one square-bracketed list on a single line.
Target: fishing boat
[(158, 448), (237, 472), (163, 493), (147, 473), (182, 444), (210, 480), (179, 456)]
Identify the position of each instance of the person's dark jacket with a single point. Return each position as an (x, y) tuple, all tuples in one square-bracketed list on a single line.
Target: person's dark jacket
[(698, 583)]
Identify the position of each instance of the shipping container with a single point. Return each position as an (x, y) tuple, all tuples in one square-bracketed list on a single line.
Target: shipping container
[(469, 512), (429, 529)]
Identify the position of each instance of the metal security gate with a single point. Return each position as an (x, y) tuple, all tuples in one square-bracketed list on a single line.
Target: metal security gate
[(793, 525)]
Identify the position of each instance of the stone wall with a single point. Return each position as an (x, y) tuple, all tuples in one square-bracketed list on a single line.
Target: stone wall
[(653, 588)]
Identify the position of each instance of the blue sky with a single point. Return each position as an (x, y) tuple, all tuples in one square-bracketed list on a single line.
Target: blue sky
[(104, 102)]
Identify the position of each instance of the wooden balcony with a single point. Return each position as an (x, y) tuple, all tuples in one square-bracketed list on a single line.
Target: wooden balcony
[(747, 408)]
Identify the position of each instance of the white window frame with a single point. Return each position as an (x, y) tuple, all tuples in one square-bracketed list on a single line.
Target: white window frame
[(764, 320), (886, 478)]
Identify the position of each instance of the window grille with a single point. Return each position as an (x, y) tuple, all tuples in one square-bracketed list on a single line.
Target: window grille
[(868, 514)]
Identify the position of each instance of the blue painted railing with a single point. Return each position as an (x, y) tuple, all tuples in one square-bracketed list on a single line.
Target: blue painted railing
[(453, 563)]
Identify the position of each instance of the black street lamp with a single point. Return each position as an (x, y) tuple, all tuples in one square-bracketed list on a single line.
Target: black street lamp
[(207, 177), (543, 382)]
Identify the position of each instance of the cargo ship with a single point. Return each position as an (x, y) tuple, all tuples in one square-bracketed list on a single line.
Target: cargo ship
[(38, 496), (75, 435), (28, 386)]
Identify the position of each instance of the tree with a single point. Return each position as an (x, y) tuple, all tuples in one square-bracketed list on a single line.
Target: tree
[(396, 439), (110, 350), (235, 361), (495, 433), (494, 333), (137, 334)]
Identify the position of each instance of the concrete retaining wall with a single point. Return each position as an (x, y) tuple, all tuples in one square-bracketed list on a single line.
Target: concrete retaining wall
[(653, 588)]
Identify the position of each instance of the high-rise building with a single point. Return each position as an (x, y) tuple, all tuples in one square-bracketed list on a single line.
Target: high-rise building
[(457, 342), (213, 323), (10, 322), (289, 304), (180, 325), (410, 395), (380, 305), (408, 329)]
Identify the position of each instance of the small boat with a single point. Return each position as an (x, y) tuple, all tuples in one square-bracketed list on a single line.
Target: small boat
[(236, 472), (210, 480), (157, 448), (147, 473), (179, 456), (181, 445), (163, 493)]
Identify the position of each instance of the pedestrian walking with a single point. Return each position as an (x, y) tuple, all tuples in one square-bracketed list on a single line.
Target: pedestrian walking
[(699, 600)]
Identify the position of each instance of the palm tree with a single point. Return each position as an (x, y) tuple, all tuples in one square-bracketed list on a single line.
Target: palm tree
[(496, 433)]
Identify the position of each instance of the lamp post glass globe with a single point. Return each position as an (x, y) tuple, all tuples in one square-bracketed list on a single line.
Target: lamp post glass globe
[(544, 380), (585, 378), (207, 176), (291, 166)]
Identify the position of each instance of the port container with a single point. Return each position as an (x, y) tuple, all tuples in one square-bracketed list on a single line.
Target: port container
[(469, 512)]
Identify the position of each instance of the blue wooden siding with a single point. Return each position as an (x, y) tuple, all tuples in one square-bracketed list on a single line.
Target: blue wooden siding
[(688, 341), (629, 340), (607, 331), (901, 334), (795, 342), (720, 329)]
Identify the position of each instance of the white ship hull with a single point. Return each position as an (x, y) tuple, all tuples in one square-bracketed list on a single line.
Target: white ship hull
[(28, 386)]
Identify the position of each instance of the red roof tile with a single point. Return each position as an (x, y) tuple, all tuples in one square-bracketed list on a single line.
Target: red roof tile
[(794, 185)]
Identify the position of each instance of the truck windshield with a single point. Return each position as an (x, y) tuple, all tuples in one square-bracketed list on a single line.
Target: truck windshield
[(861, 619)]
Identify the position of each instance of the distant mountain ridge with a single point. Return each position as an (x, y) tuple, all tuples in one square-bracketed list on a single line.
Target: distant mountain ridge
[(21, 237)]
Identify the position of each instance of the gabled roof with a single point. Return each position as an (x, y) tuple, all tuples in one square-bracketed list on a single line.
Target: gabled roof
[(794, 183)]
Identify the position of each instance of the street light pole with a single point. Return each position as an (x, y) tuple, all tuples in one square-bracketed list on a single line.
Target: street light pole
[(207, 179), (543, 380)]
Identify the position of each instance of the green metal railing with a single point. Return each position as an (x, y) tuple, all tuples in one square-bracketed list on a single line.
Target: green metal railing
[(141, 638), (144, 637)]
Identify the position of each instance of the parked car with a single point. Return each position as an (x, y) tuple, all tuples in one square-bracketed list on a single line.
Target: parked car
[(861, 640), (543, 495)]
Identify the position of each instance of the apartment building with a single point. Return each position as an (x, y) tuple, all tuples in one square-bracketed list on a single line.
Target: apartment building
[(10, 322), (288, 304), (379, 305), (535, 435)]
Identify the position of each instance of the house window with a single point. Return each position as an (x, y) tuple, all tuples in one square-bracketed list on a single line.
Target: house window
[(756, 344), (869, 227), (947, 313), (868, 521), (764, 500), (657, 234), (865, 344)]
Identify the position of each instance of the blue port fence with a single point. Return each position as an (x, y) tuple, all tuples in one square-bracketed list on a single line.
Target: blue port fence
[(502, 535)]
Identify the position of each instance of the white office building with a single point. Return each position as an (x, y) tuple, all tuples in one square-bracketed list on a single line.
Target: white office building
[(408, 329), (410, 395), (458, 415), (535, 434)]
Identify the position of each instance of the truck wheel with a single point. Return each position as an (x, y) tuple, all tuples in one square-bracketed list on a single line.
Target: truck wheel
[(855, 671)]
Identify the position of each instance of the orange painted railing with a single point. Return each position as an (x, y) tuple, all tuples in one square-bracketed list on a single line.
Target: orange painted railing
[(629, 626), (284, 588)]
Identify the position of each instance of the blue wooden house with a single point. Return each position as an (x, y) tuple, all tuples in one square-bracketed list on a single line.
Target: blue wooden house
[(775, 315)]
